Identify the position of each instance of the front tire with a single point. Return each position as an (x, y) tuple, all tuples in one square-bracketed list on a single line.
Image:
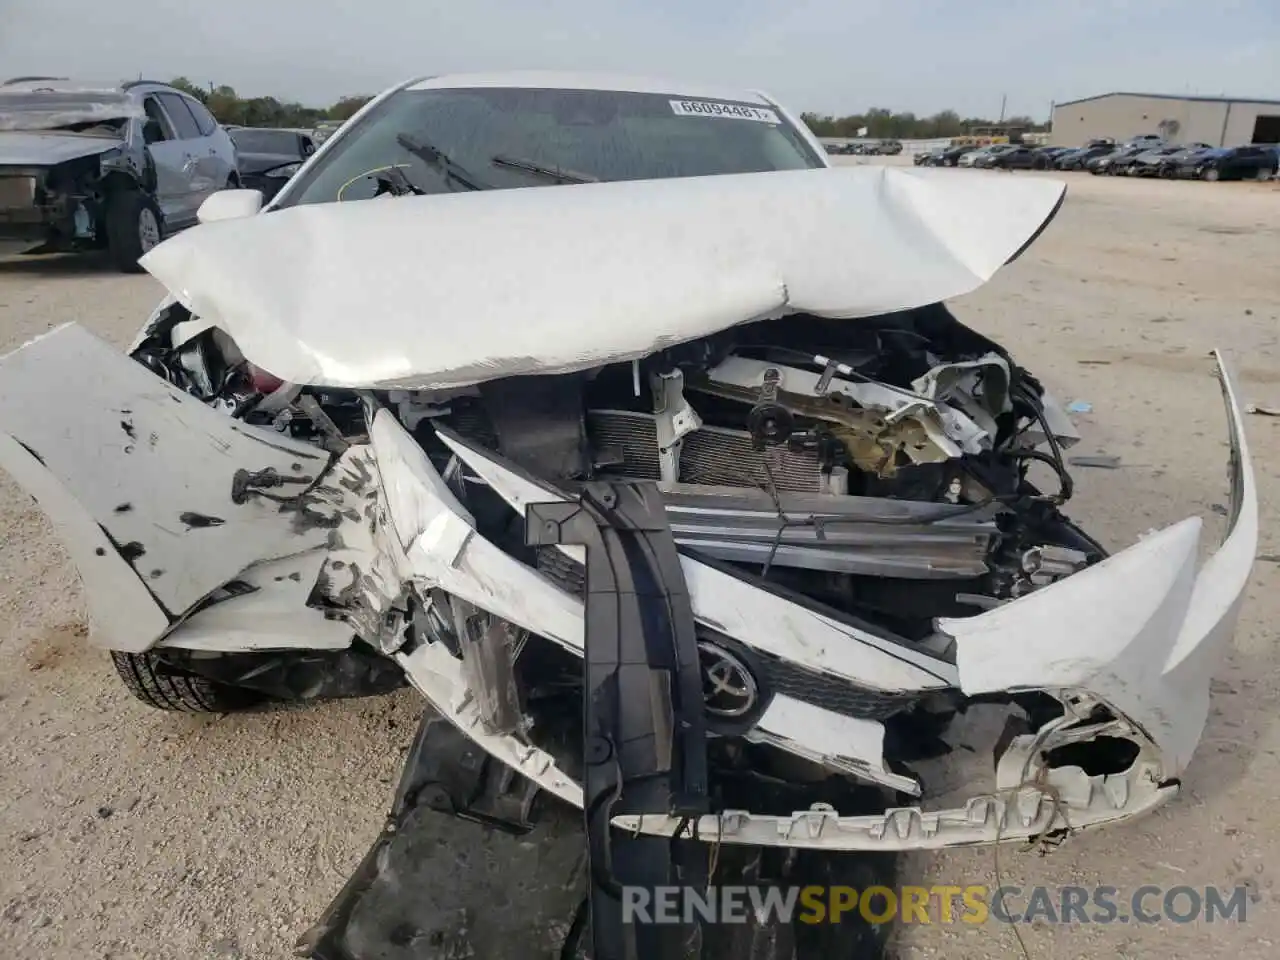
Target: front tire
[(133, 228), (165, 687), (1211, 174)]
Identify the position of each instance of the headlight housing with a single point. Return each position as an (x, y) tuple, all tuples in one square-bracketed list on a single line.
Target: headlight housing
[(284, 172)]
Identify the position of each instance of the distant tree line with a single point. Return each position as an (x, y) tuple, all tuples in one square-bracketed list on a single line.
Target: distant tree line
[(229, 107), (885, 124)]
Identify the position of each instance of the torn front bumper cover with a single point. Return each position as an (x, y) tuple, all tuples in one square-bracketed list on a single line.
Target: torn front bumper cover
[(1128, 648)]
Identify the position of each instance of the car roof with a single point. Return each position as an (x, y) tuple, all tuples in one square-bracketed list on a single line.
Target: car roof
[(65, 85), (57, 85), (551, 80)]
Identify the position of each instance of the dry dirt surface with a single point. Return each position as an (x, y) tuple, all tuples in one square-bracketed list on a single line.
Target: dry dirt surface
[(128, 833)]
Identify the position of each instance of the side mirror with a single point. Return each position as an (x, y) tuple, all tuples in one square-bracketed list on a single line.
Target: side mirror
[(230, 205), (308, 148), (152, 132)]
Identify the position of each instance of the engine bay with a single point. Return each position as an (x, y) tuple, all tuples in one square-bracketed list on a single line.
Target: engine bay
[(879, 468)]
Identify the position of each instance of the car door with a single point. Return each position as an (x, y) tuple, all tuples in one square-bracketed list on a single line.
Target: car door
[(1247, 162), (174, 175), (217, 150), (195, 152)]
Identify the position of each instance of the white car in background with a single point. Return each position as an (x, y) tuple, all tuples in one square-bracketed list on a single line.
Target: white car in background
[(372, 430), (970, 158)]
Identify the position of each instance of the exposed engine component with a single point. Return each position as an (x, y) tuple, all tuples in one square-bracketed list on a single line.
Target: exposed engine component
[(895, 450), (769, 421)]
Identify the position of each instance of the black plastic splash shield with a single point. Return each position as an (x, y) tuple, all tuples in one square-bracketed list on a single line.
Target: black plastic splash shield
[(458, 886)]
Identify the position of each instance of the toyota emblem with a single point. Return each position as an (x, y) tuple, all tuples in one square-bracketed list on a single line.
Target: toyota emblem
[(729, 689)]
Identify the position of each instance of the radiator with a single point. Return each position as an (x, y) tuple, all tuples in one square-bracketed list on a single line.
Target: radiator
[(711, 455)]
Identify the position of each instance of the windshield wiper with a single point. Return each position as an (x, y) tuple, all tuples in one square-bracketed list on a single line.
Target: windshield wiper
[(555, 173), (434, 157), (396, 182)]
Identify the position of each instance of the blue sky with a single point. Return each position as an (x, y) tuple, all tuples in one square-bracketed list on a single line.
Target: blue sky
[(832, 56)]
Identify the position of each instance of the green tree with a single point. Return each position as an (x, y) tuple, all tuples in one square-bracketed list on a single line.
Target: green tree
[(945, 123), (186, 86), (224, 104), (881, 123), (345, 108)]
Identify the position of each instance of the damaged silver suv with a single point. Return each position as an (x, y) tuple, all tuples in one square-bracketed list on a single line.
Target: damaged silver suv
[(114, 167), (676, 491)]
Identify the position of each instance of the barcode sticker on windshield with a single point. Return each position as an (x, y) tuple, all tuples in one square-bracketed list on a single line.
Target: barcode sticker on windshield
[(731, 111)]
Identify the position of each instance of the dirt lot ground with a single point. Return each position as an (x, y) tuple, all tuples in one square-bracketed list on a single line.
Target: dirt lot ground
[(127, 833)]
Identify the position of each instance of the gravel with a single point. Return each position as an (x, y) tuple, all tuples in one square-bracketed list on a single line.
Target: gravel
[(129, 833)]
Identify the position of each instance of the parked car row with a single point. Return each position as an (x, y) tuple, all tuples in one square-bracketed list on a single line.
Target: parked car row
[(884, 148), (1145, 156), (1194, 161), (1011, 156)]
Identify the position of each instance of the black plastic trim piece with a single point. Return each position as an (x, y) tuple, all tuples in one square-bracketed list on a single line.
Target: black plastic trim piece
[(644, 729)]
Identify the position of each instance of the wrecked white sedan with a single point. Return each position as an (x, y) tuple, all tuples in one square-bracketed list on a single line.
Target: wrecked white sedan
[(677, 490)]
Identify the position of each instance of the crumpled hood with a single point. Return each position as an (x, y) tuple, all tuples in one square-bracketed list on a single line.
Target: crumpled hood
[(451, 290), (47, 149)]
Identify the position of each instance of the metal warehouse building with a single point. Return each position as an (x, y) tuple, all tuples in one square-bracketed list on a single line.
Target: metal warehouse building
[(1221, 121)]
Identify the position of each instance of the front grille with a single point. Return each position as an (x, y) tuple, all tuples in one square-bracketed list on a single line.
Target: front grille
[(711, 455), (778, 676), (833, 693)]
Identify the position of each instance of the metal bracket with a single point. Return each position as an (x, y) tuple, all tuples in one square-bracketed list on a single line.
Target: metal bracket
[(675, 420)]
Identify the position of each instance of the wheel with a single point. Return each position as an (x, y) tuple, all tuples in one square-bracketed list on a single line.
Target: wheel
[(164, 687), (133, 228), (1211, 174)]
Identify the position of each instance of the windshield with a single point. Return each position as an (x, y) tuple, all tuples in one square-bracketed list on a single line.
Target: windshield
[(266, 141), (498, 138), (96, 112)]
